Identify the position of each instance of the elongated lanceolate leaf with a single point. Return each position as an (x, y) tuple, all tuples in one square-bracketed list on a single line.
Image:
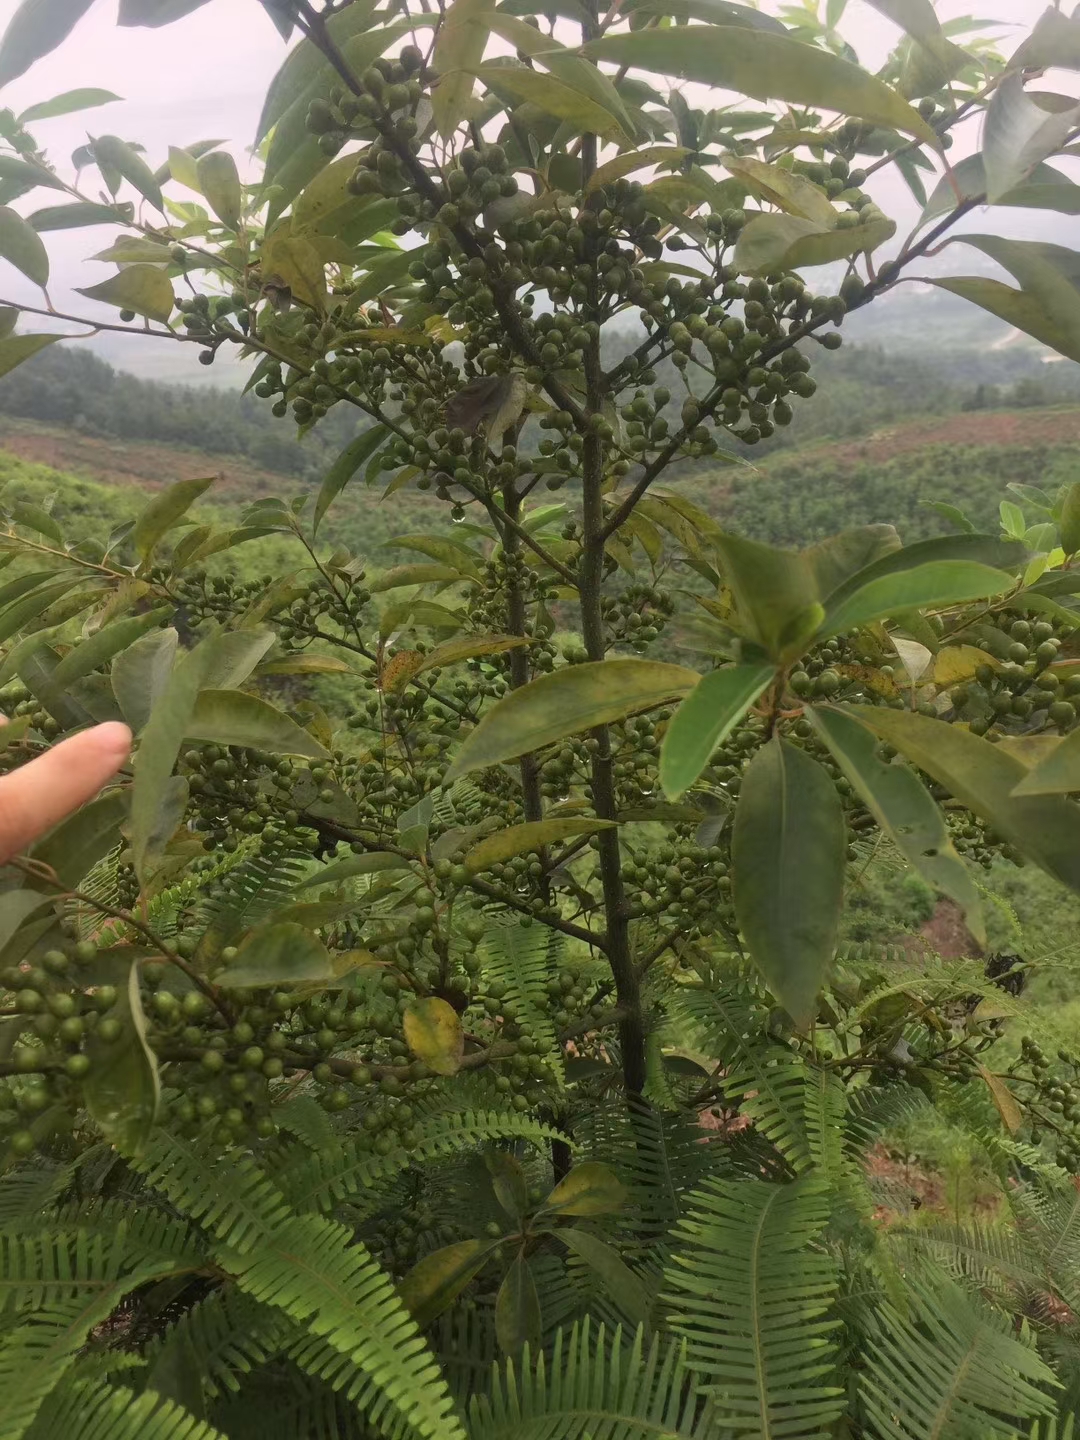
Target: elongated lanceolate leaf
[(704, 719)]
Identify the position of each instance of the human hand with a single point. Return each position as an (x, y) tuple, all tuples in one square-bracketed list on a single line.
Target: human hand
[(39, 795)]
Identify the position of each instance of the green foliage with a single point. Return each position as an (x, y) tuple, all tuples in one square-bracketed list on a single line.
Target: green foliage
[(381, 1054)]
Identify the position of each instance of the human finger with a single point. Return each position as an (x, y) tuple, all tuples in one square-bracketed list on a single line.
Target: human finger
[(38, 796)]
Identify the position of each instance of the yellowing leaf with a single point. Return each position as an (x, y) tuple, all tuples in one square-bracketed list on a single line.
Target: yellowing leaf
[(459, 49), (433, 1033), (142, 288), (956, 663), (220, 183), (792, 193), (589, 1189), (1004, 1100), (521, 839), (282, 953)]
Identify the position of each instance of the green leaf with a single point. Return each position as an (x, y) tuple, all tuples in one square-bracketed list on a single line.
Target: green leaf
[(36, 28), (1048, 304), (619, 1281), (112, 153), (788, 855), (122, 1090), (66, 104), (306, 63), (1069, 524), (942, 582), (766, 66), (1044, 189), (772, 587), (1058, 773), (282, 953), (902, 806), (163, 512), (17, 348), (1018, 133), (983, 777), (21, 245), (459, 49), (521, 839), (917, 17), (142, 288), (786, 242), (219, 181), (140, 674), (518, 1321), (434, 1035), (345, 467), (589, 1189), (509, 1182), (1054, 41), (75, 846), (98, 649), (355, 865), (232, 717), (17, 906), (792, 193), (436, 1281), (704, 719), (566, 102), (571, 70), (155, 12), (74, 217), (565, 702), (26, 173)]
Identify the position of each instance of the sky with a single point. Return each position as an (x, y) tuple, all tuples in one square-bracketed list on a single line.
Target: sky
[(204, 77)]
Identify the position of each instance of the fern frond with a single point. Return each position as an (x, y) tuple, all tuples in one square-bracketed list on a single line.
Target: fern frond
[(1056, 1428), (769, 1079), (96, 1410), (525, 960), (359, 1336), (595, 1389), (304, 1117), (27, 1191), (235, 1200), (984, 1256), (53, 1267), (251, 891), (463, 1340), (227, 1336), (752, 1295), (327, 1178), (949, 1367), (1049, 1221)]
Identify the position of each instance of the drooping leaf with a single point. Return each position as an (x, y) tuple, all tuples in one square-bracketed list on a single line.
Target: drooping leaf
[(438, 1279), (772, 587), (345, 467), (768, 67), (220, 183), (1018, 133), (70, 101), (1044, 189), (122, 1090), (433, 1033), (112, 153), (281, 953), (21, 245), (1005, 1101), (75, 846), (618, 1280), (27, 174), (940, 583), (518, 1319), (792, 193), (233, 717), (1047, 305), (36, 28), (983, 777), (142, 288), (156, 12), (589, 1189), (521, 839), (14, 349), (509, 1182), (140, 674), (549, 93), (1054, 41), (492, 400), (163, 512), (75, 216), (566, 701), (704, 720), (902, 806), (787, 242), (917, 17), (459, 49), (788, 858), (1069, 523), (352, 865)]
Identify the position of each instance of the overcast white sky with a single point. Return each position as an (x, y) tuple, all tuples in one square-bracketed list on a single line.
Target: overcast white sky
[(205, 76)]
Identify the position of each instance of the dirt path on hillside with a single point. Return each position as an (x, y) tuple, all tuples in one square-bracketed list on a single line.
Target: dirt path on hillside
[(976, 427)]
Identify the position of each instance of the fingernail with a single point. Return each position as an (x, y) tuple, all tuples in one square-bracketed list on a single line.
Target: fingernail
[(113, 736)]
